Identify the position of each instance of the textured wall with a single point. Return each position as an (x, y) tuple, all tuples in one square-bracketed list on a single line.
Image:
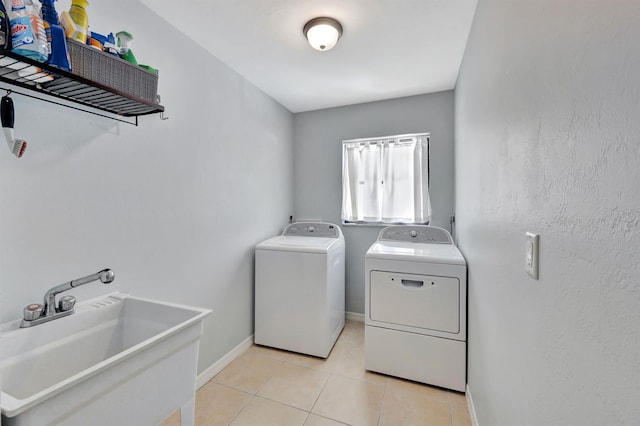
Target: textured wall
[(318, 139), (174, 207), (547, 140)]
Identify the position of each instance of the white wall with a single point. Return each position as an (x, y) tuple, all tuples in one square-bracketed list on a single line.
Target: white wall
[(318, 139), (173, 207), (547, 140)]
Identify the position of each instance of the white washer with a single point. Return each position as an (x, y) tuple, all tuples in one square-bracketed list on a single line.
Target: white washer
[(416, 306), (299, 304)]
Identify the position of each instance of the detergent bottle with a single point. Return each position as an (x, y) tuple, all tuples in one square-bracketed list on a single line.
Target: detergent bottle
[(59, 53), (124, 44), (78, 14)]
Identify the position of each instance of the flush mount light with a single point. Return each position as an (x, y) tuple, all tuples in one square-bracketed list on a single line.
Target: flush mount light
[(322, 33)]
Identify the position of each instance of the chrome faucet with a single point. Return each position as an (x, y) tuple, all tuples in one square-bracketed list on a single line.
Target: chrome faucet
[(35, 314)]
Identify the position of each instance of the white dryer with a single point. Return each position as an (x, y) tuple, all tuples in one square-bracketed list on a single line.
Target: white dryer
[(299, 290), (416, 306)]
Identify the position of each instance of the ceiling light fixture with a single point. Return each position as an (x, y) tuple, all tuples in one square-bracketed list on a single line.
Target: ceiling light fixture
[(322, 33)]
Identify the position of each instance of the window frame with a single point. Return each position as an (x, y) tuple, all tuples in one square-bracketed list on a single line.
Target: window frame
[(381, 224)]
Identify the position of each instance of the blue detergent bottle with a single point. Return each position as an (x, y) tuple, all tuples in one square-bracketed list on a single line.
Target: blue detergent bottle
[(59, 56)]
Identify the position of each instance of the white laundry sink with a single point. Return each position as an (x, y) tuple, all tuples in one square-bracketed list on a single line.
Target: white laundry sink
[(117, 360)]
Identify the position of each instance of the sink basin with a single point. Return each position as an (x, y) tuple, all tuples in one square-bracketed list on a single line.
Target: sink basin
[(117, 360)]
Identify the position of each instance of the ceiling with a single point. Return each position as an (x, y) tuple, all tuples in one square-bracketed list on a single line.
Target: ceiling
[(389, 48)]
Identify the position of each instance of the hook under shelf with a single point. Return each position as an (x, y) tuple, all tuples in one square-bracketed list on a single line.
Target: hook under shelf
[(162, 116)]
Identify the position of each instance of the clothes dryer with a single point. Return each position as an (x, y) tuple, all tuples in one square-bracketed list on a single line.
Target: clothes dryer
[(416, 306), (299, 288)]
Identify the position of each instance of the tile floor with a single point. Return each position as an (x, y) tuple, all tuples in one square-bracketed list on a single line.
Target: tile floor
[(266, 386)]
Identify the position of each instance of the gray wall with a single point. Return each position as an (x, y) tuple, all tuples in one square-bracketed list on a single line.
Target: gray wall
[(547, 141), (318, 139), (171, 205)]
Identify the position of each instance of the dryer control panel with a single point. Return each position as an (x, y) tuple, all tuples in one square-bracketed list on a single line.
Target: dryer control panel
[(312, 229), (416, 234)]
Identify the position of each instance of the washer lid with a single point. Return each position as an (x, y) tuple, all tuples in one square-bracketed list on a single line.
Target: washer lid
[(416, 252), (301, 244)]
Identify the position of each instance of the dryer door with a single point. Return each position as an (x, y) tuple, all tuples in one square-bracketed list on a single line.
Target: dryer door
[(421, 301)]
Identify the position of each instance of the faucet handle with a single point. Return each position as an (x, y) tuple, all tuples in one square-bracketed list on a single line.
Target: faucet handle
[(66, 303), (32, 312)]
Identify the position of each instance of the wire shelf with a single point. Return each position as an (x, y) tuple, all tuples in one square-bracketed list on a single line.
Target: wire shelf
[(37, 77)]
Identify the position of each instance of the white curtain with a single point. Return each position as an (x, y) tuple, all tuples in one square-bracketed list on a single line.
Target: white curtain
[(385, 180)]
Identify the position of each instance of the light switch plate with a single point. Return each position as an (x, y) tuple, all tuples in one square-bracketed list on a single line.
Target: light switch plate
[(531, 259)]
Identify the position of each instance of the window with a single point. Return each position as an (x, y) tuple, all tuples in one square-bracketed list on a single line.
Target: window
[(386, 180)]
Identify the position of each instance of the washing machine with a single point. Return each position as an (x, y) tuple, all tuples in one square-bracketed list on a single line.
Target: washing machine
[(416, 306), (299, 288)]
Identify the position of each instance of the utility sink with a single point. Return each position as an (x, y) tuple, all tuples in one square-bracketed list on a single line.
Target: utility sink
[(117, 360)]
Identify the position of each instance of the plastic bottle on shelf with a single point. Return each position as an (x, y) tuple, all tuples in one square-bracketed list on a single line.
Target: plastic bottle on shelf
[(59, 54), (28, 37), (124, 44), (33, 11), (78, 14)]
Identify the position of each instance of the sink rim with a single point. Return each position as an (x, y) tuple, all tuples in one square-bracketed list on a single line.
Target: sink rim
[(11, 406)]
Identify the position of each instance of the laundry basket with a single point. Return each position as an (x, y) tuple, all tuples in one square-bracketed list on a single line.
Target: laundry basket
[(115, 73)]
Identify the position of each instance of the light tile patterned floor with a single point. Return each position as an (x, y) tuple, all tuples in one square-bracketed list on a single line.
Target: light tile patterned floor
[(266, 387)]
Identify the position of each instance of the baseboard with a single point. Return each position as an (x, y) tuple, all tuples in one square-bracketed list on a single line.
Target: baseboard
[(472, 409), (354, 316), (220, 364)]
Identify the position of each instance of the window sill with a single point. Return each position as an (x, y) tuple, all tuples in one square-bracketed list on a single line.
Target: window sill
[(379, 224)]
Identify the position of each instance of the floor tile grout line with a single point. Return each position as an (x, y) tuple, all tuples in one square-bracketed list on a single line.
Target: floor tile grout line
[(344, 376), (289, 405), (230, 387), (256, 396), (282, 403), (241, 409), (320, 393), (329, 418), (243, 390), (384, 394), (306, 418)]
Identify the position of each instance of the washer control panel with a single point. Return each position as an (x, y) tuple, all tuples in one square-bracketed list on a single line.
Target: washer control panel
[(416, 234), (312, 229)]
